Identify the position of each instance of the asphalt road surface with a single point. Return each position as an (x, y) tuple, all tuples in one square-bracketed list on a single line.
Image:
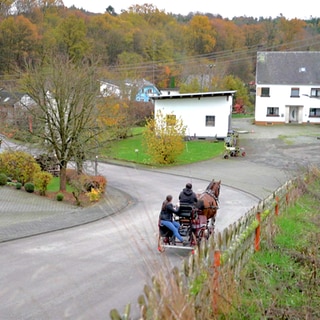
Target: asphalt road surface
[(84, 272)]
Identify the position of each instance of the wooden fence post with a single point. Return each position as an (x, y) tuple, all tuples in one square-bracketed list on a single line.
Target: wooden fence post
[(216, 273), (257, 235), (276, 209)]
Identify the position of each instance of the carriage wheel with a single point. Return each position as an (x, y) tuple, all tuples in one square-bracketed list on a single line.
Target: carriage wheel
[(161, 247), (226, 156)]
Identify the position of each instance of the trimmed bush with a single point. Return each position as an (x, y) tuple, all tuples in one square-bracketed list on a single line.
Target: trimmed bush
[(18, 185), (29, 187), (3, 179), (60, 196)]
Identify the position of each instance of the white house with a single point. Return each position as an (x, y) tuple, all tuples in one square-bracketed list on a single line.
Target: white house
[(140, 90), (205, 115), (287, 87)]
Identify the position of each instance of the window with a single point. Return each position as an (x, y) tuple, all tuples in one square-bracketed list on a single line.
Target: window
[(170, 119), (265, 92), (315, 92), (314, 112), (210, 121), (272, 112), (295, 92)]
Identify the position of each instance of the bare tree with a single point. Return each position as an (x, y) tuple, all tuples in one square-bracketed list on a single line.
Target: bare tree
[(66, 96)]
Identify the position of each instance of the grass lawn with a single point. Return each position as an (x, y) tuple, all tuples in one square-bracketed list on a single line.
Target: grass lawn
[(53, 190), (131, 149), (54, 185)]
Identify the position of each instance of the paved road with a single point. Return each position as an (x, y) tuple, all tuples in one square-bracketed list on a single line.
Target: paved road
[(83, 272)]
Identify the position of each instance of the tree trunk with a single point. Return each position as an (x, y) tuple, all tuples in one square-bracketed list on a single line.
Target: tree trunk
[(63, 177)]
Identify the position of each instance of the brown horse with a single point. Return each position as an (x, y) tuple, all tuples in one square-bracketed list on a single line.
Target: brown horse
[(208, 201)]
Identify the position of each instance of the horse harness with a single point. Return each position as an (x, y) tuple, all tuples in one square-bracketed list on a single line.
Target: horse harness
[(212, 195)]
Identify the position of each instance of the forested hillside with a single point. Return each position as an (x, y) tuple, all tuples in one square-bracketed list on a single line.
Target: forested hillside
[(144, 42)]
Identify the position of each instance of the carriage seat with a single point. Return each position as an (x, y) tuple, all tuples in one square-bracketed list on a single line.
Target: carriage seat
[(185, 210)]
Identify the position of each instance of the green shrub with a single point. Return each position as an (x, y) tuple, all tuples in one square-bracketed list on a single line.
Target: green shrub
[(60, 196), (18, 185), (42, 180), (3, 179), (29, 187)]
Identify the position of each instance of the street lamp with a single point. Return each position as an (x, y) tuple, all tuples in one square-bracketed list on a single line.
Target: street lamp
[(96, 166)]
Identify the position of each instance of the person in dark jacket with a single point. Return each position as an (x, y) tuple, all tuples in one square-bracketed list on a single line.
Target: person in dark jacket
[(166, 218), (187, 195)]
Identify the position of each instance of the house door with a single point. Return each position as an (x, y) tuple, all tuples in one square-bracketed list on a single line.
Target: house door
[(293, 114)]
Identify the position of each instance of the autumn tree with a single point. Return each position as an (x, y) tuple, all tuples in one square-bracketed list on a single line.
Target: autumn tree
[(114, 115), (291, 30), (163, 137), (193, 86), (234, 83), (71, 37), (228, 35), (18, 40), (201, 35), (66, 95), (5, 6)]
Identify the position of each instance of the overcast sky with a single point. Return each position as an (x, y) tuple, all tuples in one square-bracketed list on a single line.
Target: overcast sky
[(227, 9)]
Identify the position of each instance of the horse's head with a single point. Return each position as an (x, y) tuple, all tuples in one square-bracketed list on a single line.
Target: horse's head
[(214, 187)]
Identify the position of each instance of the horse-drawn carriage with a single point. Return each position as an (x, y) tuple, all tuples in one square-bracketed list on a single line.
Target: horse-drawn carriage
[(196, 222), (231, 146)]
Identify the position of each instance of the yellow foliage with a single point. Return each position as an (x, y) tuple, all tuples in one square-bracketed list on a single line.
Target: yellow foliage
[(19, 165), (42, 180), (94, 195), (164, 136)]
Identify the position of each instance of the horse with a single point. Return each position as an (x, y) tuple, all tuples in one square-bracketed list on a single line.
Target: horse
[(208, 201)]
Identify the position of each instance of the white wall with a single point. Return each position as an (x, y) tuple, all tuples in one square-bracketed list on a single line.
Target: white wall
[(193, 112), (280, 98)]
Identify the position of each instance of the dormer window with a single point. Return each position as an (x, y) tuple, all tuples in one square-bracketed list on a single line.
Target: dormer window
[(295, 93)]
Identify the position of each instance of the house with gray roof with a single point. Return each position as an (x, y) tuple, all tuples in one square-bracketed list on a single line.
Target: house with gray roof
[(287, 87)]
